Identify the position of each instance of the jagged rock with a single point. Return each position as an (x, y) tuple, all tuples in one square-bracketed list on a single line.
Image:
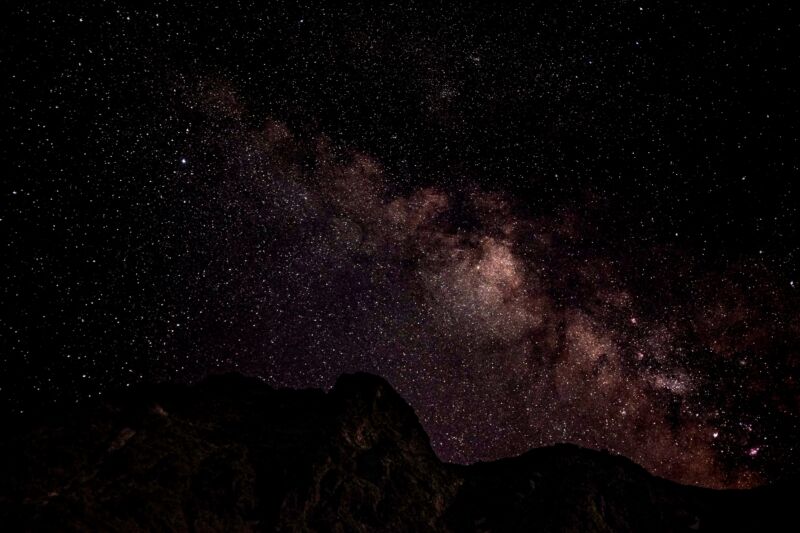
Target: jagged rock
[(232, 454)]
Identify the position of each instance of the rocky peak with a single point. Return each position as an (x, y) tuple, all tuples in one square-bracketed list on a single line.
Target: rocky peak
[(233, 454)]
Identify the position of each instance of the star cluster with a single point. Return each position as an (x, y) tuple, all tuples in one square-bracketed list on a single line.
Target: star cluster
[(556, 224)]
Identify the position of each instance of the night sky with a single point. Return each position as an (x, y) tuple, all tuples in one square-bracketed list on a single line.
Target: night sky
[(573, 222)]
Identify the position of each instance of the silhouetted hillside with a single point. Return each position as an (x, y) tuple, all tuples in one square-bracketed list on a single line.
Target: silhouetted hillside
[(232, 454)]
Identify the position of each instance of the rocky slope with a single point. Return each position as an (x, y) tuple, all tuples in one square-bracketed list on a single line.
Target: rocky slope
[(232, 454)]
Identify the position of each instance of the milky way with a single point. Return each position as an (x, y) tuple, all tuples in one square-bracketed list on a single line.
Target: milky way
[(504, 333), (515, 301)]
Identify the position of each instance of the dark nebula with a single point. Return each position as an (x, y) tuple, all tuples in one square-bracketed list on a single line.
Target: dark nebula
[(568, 223)]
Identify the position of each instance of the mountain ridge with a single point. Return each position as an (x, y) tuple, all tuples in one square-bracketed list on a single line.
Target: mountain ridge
[(232, 453)]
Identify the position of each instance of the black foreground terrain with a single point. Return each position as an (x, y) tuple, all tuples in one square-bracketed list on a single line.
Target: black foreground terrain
[(233, 454)]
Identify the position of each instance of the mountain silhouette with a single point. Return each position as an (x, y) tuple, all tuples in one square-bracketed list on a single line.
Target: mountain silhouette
[(233, 454)]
